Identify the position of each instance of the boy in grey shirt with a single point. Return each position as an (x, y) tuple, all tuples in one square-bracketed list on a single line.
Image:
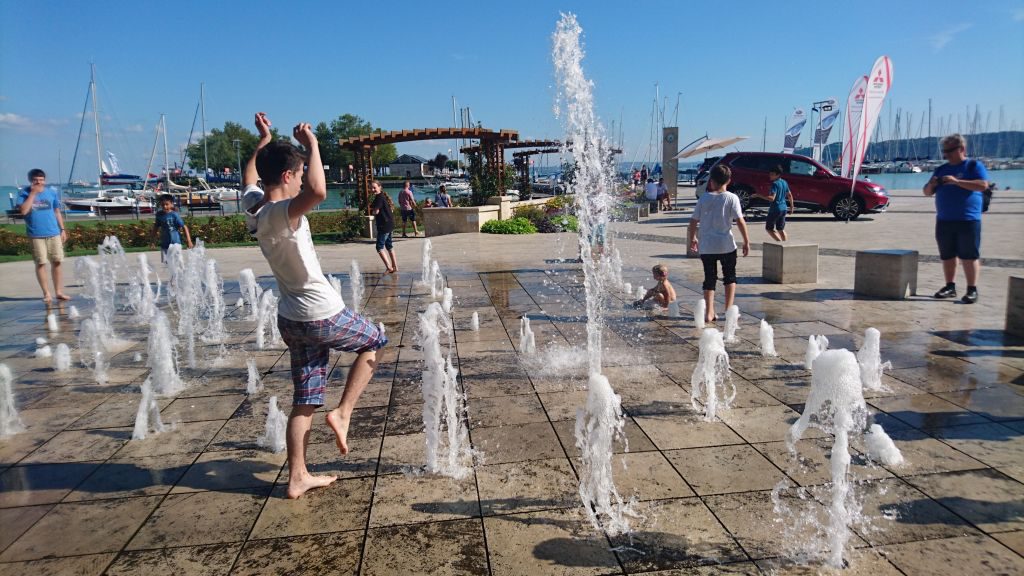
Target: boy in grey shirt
[(710, 235)]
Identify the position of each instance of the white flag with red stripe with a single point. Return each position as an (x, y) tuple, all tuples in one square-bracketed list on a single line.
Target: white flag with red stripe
[(851, 122), (879, 83)]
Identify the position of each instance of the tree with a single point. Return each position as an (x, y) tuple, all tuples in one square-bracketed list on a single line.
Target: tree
[(347, 126), (439, 162), (220, 147)]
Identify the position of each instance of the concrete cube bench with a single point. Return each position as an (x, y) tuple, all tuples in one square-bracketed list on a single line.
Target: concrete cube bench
[(885, 273), (789, 263), (1015, 306)]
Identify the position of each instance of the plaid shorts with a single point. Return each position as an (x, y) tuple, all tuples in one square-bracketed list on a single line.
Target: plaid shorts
[(310, 344)]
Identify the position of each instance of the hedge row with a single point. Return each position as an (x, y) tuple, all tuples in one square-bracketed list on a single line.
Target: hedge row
[(338, 226)]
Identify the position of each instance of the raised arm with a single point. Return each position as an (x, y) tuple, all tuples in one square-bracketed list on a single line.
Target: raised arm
[(929, 187), (314, 189), (251, 176)]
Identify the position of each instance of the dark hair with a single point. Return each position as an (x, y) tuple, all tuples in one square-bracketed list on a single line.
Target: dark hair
[(35, 173), (275, 159), (166, 198), (720, 174), (391, 205), (777, 169)]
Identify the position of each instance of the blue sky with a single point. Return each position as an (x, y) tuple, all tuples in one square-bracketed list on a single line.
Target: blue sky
[(398, 64)]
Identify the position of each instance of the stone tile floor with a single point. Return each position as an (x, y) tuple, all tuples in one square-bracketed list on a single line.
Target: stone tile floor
[(77, 496)]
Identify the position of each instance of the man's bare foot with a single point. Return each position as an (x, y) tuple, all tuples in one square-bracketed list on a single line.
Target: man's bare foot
[(297, 486), (339, 423), (63, 296)]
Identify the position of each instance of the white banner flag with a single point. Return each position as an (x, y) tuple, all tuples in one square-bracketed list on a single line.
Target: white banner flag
[(879, 83), (851, 122), (826, 119), (796, 125)]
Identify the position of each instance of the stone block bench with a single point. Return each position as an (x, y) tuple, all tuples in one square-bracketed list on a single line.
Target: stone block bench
[(1015, 306), (789, 263), (885, 273)]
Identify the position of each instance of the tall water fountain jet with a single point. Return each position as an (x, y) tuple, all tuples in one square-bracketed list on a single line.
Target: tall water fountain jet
[(142, 296), (92, 349), (599, 422), (447, 297), (162, 358), (732, 323), (148, 415), (836, 406), (474, 322), (425, 277), (273, 437), (815, 346), (51, 323), (869, 358), (10, 421), (213, 303), (62, 358), (336, 284), (527, 342), (710, 383), (250, 290), (767, 334), (444, 405), (436, 281), (267, 333), (700, 310), (356, 279), (253, 384)]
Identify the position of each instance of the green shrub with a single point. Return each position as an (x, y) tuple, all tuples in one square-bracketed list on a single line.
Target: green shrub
[(513, 226)]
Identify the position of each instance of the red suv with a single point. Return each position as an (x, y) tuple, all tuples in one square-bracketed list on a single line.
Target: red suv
[(814, 186)]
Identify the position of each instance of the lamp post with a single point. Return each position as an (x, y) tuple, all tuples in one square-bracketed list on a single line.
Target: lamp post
[(238, 155), (819, 107)]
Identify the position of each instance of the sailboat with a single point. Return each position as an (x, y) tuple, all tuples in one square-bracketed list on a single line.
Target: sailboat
[(110, 201)]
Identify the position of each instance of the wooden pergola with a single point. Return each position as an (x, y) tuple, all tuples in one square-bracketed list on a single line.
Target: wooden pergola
[(493, 142)]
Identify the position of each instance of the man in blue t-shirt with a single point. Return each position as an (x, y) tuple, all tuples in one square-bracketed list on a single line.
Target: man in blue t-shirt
[(957, 187), (39, 204)]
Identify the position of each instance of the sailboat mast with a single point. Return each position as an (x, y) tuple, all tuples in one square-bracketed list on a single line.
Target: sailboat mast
[(206, 153), (167, 167), (96, 121)]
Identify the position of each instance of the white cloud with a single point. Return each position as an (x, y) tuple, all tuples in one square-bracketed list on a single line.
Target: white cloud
[(939, 40), (1018, 14), (13, 121), (135, 129)]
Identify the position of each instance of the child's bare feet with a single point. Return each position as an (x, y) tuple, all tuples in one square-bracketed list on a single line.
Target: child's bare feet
[(300, 484), (63, 296), (339, 423)]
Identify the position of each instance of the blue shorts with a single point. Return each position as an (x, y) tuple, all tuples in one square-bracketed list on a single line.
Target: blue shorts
[(958, 239), (310, 345), (384, 240), (776, 219)]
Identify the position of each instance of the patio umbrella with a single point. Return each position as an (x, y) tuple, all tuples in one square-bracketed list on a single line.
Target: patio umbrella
[(709, 145)]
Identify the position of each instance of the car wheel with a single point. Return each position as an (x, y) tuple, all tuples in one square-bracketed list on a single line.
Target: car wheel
[(744, 195), (847, 208)]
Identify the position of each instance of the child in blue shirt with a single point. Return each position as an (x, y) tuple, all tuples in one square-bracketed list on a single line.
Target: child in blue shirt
[(167, 224), (781, 199)]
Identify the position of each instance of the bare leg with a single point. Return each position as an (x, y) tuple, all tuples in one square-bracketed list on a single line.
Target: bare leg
[(41, 277), (415, 230), (359, 375), (384, 258), (774, 234), (299, 478), (730, 295), (394, 261), (782, 234), (949, 270), (709, 305), (971, 270), (58, 281)]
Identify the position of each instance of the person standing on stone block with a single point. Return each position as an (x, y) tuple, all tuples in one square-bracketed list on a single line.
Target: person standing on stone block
[(780, 204), (39, 204), (957, 186), (311, 316)]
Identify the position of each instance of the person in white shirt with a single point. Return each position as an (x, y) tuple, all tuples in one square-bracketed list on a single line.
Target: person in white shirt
[(311, 316), (713, 217)]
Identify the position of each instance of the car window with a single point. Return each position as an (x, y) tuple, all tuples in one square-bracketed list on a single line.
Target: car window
[(752, 162), (801, 168)]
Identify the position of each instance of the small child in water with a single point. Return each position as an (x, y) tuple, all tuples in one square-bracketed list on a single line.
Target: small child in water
[(662, 294)]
